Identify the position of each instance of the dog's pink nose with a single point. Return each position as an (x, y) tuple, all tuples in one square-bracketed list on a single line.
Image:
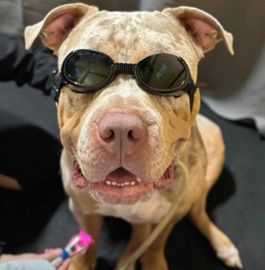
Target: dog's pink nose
[(121, 133)]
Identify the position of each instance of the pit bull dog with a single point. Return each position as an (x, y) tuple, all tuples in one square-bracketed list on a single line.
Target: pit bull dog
[(134, 144)]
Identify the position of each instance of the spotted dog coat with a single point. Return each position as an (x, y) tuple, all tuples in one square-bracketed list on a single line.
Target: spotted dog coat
[(131, 178)]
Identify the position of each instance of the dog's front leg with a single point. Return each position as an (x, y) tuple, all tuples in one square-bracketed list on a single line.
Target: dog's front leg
[(224, 247), (91, 224), (154, 257), (139, 234)]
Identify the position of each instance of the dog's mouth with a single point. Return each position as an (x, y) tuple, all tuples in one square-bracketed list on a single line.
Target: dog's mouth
[(121, 186)]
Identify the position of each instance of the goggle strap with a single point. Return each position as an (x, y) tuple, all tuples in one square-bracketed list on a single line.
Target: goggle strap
[(123, 68), (58, 83), (191, 92)]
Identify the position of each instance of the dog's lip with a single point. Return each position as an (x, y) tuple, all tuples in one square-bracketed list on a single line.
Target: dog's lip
[(121, 186)]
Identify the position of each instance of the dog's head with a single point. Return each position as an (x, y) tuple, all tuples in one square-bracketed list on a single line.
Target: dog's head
[(122, 139)]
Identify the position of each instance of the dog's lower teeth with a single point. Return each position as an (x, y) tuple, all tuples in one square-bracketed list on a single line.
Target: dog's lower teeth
[(110, 183)]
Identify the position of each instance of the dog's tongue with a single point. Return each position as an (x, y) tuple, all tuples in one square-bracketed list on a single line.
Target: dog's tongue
[(121, 175)]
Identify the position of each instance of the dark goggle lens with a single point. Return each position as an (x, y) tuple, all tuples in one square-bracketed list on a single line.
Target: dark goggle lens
[(161, 72), (87, 69)]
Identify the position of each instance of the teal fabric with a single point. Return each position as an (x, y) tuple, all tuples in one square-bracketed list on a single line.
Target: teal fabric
[(27, 265)]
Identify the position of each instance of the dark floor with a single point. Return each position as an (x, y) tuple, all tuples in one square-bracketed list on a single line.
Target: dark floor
[(236, 203)]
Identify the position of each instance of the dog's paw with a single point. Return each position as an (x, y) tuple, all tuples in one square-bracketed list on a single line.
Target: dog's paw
[(230, 256)]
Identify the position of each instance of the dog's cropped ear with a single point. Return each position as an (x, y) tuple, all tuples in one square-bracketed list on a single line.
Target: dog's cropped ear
[(57, 24), (204, 28)]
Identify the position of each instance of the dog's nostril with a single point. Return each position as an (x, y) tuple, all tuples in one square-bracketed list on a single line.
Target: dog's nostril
[(108, 134), (124, 129), (111, 134), (130, 135), (135, 134)]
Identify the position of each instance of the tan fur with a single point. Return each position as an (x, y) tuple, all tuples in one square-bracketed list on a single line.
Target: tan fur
[(174, 133)]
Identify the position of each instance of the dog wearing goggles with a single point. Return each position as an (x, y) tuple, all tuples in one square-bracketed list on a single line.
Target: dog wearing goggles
[(135, 146)]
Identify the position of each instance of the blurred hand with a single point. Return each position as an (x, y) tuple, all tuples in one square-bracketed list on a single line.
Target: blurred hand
[(49, 255)]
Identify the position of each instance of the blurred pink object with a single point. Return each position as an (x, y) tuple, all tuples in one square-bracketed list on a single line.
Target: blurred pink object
[(79, 243)]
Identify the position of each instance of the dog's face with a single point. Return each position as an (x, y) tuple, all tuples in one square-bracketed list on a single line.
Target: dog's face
[(124, 141)]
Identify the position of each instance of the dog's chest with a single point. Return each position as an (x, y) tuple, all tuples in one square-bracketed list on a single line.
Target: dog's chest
[(150, 211)]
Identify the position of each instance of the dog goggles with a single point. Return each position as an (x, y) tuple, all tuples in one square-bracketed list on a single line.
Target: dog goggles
[(160, 74)]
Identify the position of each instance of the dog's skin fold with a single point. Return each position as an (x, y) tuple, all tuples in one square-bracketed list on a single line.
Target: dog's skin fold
[(123, 146)]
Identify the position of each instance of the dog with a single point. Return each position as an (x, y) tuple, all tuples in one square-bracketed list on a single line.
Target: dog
[(133, 149)]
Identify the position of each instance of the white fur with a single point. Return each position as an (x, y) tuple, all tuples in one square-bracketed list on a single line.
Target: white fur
[(150, 211), (230, 256)]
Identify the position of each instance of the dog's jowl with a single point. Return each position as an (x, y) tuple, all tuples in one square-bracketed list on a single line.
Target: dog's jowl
[(134, 144)]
